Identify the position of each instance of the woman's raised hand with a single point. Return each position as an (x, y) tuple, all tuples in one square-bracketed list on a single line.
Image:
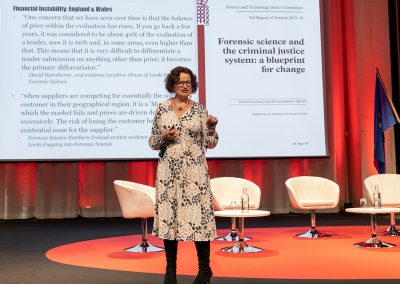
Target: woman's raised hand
[(170, 133), (212, 122)]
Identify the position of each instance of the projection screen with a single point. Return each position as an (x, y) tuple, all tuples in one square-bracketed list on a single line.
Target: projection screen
[(80, 80)]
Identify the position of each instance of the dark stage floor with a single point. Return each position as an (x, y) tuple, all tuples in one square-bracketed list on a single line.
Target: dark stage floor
[(23, 245)]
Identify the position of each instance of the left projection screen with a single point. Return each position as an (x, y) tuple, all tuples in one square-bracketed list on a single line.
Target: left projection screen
[(81, 80)]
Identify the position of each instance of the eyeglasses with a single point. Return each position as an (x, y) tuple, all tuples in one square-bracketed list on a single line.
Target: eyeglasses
[(187, 83)]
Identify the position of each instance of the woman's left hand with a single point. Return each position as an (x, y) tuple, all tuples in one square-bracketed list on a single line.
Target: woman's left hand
[(212, 122)]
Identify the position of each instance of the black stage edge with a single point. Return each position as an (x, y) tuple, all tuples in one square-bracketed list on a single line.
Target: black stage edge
[(23, 245)]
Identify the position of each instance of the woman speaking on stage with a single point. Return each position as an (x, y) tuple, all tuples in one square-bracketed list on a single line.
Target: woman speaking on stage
[(182, 131)]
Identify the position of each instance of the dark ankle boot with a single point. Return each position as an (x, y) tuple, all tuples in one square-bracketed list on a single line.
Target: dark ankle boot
[(203, 255), (171, 249)]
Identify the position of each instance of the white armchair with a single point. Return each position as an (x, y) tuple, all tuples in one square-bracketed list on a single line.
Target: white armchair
[(312, 193), (137, 201), (227, 192), (389, 187)]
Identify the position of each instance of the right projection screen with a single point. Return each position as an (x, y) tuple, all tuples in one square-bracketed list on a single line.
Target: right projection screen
[(264, 77)]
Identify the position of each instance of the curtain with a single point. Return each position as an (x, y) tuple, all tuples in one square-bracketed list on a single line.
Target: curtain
[(356, 42)]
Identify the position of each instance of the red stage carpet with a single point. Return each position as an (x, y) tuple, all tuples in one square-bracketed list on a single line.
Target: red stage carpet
[(284, 256)]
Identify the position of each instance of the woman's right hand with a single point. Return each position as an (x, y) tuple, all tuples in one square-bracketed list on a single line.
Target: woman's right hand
[(170, 134)]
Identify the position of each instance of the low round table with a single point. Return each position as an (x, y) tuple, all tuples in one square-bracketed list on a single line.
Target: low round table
[(373, 242), (241, 246)]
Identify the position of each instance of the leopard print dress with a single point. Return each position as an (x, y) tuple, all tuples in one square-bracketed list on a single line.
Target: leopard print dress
[(183, 209)]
